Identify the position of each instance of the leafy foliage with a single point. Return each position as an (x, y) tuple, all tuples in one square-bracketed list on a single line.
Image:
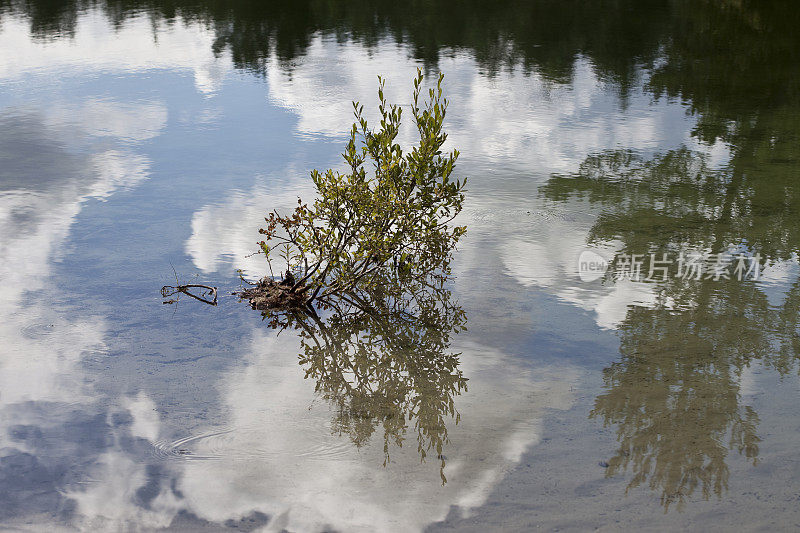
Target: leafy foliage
[(389, 215)]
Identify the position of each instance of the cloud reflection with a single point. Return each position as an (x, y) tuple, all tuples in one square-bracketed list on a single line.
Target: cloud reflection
[(51, 424), (98, 46)]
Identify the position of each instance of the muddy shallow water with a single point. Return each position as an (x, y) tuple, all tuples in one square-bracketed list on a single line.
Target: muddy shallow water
[(144, 136)]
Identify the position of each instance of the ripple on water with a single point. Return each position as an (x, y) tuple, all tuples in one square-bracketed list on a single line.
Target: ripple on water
[(246, 443), (37, 331)]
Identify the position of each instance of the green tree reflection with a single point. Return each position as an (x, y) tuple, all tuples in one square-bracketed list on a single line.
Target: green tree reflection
[(675, 394), (381, 357)]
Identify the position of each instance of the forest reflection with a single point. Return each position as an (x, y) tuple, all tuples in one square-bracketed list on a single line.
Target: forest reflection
[(620, 38), (499, 34)]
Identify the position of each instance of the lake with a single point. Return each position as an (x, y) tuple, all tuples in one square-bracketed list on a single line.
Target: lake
[(623, 343)]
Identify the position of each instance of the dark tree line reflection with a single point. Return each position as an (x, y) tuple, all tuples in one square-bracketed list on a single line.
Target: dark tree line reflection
[(711, 52), (548, 35)]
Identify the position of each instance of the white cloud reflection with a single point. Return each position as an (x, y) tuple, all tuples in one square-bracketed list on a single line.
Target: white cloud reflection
[(311, 478), (277, 455), (46, 177), (97, 46), (38, 205), (127, 122), (517, 120)]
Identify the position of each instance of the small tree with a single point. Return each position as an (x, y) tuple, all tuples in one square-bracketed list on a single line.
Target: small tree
[(390, 213)]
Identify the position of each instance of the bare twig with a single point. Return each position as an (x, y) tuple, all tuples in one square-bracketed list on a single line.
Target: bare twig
[(169, 290)]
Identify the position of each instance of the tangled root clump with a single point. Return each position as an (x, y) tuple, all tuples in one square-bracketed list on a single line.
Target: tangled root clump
[(271, 294)]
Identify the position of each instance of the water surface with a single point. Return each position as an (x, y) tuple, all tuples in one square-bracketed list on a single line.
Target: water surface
[(138, 137)]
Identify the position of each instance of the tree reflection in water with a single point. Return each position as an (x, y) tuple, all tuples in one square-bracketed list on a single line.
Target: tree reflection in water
[(381, 357), (675, 394)]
